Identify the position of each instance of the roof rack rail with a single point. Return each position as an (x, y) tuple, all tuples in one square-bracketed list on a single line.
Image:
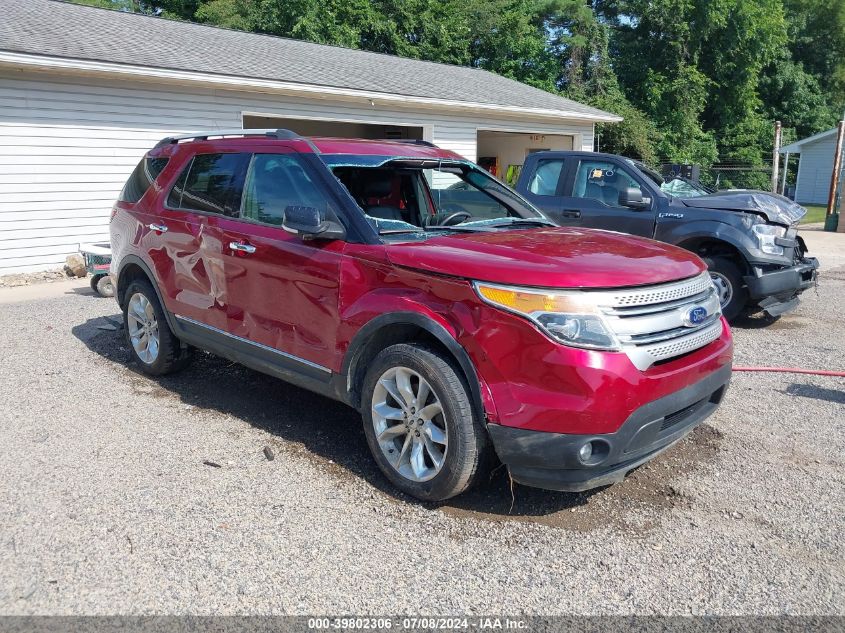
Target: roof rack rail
[(279, 133), (417, 141)]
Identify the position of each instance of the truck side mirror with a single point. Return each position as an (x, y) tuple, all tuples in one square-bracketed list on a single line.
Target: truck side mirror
[(311, 223), (633, 199)]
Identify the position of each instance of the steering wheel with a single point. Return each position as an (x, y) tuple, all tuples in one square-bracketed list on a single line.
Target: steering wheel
[(456, 217)]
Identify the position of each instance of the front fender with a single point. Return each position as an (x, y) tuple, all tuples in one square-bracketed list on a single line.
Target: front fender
[(682, 232), (387, 307)]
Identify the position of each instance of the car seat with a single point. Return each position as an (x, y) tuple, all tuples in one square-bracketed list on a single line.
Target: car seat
[(376, 190)]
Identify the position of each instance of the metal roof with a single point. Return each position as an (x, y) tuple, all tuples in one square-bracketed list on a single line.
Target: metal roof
[(795, 148), (55, 29)]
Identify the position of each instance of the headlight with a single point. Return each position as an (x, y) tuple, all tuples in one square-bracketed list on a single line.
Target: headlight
[(766, 235), (568, 318)]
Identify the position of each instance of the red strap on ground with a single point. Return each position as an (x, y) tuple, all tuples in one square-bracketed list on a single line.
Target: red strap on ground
[(794, 370)]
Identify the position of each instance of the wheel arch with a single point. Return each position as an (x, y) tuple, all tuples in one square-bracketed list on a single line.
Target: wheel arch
[(710, 246), (133, 267), (404, 327)]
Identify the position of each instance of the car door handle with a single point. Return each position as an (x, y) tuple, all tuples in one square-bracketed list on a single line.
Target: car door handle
[(158, 228), (571, 213), (240, 247)]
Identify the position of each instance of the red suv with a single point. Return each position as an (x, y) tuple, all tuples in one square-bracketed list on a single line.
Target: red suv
[(405, 281)]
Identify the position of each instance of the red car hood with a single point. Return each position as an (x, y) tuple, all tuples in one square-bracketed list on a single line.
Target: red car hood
[(552, 258)]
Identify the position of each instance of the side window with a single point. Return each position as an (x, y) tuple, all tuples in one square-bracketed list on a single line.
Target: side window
[(174, 198), (275, 182), (602, 181), (142, 177), (545, 179), (211, 183)]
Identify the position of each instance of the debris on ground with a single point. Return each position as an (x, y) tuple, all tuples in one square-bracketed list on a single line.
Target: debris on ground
[(75, 266), (212, 464), (28, 279), (269, 454)]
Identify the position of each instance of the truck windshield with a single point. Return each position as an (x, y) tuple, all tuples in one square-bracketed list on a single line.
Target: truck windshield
[(676, 187), (402, 197), (680, 188)]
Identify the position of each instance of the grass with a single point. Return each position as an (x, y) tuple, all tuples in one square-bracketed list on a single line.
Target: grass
[(815, 213)]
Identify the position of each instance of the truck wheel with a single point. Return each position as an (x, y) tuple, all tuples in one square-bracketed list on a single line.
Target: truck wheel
[(151, 342), (420, 423), (727, 278)]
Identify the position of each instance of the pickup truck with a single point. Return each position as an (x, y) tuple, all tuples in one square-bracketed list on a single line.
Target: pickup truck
[(748, 239)]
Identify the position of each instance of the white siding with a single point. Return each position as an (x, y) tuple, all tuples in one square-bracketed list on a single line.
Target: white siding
[(815, 171), (67, 145)]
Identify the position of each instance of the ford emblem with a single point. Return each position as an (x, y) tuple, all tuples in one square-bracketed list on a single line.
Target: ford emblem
[(695, 316)]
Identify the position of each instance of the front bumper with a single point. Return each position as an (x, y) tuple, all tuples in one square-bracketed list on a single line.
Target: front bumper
[(776, 291), (550, 460)]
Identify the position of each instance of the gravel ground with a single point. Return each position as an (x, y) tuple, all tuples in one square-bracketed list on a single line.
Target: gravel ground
[(122, 494)]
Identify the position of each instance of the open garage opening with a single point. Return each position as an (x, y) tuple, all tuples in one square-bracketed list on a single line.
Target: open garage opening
[(503, 153), (341, 129)]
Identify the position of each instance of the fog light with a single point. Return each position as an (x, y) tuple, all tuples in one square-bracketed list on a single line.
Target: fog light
[(586, 452)]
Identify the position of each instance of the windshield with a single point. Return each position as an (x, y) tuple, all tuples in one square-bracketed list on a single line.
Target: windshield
[(403, 196), (680, 188), (677, 187)]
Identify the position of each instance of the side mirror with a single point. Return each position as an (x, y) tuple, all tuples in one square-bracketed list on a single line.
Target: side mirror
[(311, 223), (633, 199)]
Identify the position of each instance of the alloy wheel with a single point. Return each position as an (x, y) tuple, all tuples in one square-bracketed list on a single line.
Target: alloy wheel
[(410, 424), (143, 328)]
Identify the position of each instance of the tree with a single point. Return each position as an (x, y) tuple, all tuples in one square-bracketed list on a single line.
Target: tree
[(696, 80)]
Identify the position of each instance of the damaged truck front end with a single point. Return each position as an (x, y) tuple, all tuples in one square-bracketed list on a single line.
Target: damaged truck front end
[(778, 267)]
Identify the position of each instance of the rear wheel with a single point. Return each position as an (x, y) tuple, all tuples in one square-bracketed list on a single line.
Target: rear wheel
[(420, 423), (151, 342), (727, 278)]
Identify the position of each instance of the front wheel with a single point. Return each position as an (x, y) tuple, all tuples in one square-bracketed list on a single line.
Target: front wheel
[(727, 278), (421, 425)]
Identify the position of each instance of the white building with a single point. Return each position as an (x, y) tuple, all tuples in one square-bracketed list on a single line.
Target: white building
[(815, 167), (84, 92)]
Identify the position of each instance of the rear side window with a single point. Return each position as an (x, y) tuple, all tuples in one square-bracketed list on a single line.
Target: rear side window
[(144, 175), (212, 183)]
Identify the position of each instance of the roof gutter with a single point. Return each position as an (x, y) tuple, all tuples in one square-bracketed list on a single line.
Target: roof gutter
[(42, 62)]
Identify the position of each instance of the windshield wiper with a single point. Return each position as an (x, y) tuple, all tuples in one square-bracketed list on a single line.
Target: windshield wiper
[(400, 231), (523, 221), (436, 227), (454, 227)]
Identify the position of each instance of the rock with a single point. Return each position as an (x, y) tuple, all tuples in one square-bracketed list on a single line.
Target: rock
[(268, 453), (75, 266)]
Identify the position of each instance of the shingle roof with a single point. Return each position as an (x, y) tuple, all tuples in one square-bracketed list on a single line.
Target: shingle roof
[(59, 29)]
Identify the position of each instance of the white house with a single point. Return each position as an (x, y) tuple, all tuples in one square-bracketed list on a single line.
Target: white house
[(815, 167), (85, 91)]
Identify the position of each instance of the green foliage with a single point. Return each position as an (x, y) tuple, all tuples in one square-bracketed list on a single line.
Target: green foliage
[(695, 80)]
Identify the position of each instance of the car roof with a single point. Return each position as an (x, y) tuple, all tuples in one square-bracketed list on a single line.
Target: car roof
[(410, 148), (314, 144)]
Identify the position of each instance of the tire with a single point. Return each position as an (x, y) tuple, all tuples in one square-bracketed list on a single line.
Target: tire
[(104, 286), (728, 279), (141, 305), (457, 433)]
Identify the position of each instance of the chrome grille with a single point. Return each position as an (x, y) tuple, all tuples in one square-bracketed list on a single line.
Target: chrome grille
[(664, 293), (652, 324)]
